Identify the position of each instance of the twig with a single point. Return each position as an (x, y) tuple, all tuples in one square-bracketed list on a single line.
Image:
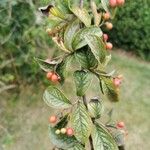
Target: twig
[(8, 87), (81, 4)]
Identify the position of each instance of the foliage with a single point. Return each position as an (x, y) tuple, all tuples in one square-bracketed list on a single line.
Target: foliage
[(21, 38), (71, 27), (132, 28)]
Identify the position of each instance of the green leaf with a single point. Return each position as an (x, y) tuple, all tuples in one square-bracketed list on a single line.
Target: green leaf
[(79, 40), (82, 80), (97, 46), (95, 108), (55, 98), (105, 5), (46, 65), (62, 123), (63, 6), (62, 67), (70, 31), (81, 123), (119, 137), (110, 89), (102, 139), (86, 58), (77, 147), (83, 15), (61, 140)]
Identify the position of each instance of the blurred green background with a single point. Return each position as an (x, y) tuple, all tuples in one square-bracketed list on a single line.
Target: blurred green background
[(23, 114)]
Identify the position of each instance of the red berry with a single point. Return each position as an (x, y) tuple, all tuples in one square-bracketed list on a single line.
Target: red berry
[(109, 46), (105, 37), (109, 25), (55, 78), (49, 75), (120, 124), (117, 81), (53, 119), (70, 132), (106, 16), (113, 3), (120, 2)]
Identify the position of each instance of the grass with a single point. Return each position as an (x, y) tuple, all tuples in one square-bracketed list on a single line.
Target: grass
[(23, 117)]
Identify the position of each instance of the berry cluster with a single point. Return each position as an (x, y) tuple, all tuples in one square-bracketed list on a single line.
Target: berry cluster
[(116, 3), (109, 25), (68, 131)]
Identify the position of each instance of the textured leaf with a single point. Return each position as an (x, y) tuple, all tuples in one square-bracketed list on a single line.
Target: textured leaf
[(86, 58), (83, 15), (95, 108), (45, 65), (105, 5), (82, 80), (79, 40), (61, 140), (81, 123), (62, 123), (97, 47), (119, 137), (77, 147), (70, 31), (55, 98), (62, 67), (63, 6), (110, 89), (102, 139)]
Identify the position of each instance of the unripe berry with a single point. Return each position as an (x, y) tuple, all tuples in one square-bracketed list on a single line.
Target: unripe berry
[(112, 3), (109, 25), (105, 37), (106, 16), (55, 78), (57, 131), (49, 75), (120, 124), (52, 119), (63, 130), (109, 46), (70, 132), (120, 2)]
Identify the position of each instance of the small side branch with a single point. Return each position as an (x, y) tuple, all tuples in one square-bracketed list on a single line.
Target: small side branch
[(81, 4), (8, 87)]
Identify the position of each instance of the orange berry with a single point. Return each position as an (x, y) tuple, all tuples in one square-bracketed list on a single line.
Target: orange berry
[(55, 78), (112, 3), (120, 124), (70, 132), (53, 119), (106, 16), (109, 46), (49, 75), (109, 25), (120, 2)]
